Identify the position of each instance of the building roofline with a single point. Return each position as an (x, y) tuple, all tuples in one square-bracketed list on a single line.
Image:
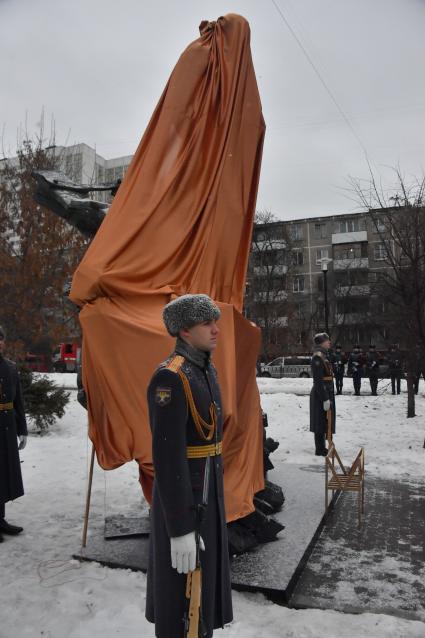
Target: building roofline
[(305, 220)]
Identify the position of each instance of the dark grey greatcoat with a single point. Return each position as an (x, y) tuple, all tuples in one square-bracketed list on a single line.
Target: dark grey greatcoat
[(372, 364), (12, 424), (178, 487), (321, 391)]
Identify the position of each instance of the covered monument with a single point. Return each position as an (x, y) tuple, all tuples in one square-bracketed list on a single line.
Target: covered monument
[(181, 222)]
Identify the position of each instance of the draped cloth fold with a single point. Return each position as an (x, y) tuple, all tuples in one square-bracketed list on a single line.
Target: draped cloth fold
[(181, 222)]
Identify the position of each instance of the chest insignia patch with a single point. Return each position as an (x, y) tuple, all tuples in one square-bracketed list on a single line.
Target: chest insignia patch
[(162, 396)]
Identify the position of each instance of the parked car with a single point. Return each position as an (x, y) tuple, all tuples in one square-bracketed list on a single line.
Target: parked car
[(295, 366)]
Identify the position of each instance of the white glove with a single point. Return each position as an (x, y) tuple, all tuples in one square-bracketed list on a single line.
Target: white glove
[(183, 552), (326, 405), (22, 441)]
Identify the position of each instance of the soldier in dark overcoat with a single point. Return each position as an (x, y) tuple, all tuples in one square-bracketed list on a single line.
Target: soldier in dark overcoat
[(186, 421), (355, 366), (322, 395), (338, 364), (395, 365), (372, 368), (13, 426)]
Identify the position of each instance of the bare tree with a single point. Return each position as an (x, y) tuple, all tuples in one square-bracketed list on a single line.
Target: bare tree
[(38, 254), (267, 299), (399, 220)]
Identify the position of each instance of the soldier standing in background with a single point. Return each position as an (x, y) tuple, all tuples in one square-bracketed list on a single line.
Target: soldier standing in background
[(13, 426), (355, 364), (395, 368), (372, 368), (322, 396), (338, 364)]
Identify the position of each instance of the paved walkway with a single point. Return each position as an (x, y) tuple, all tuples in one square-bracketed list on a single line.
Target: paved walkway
[(380, 568)]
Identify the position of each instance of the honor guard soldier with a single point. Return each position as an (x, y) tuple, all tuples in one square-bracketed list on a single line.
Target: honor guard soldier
[(188, 573), (372, 368), (355, 364), (338, 364), (13, 426), (395, 365), (322, 396)]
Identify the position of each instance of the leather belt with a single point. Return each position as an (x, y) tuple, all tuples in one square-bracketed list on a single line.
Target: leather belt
[(327, 379), (6, 406), (202, 451)]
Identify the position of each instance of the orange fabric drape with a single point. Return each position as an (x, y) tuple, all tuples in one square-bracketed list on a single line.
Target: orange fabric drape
[(181, 222)]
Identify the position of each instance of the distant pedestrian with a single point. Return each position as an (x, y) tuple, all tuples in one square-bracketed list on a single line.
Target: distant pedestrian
[(395, 365), (338, 365), (355, 365), (13, 427), (372, 368), (322, 395)]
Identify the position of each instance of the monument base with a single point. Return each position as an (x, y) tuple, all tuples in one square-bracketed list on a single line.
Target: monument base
[(272, 568)]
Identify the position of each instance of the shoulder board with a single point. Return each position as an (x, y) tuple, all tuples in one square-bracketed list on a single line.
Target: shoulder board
[(175, 364)]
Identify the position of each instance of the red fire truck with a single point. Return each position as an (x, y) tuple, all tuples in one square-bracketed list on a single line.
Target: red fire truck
[(65, 357)]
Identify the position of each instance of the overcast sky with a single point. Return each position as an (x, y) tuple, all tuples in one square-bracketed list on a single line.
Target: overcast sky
[(99, 66)]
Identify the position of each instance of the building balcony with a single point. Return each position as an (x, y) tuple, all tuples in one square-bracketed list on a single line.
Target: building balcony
[(351, 264), (278, 322), (349, 238), (268, 245), (350, 318), (278, 269), (352, 291), (271, 297)]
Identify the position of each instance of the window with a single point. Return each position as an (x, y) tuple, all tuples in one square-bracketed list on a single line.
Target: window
[(100, 177), (296, 231), (351, 305), (276, 362), (379, 252), (321, 253), (350, 251), (298, 284), (297, 257), (348, 225), (119, 172), (320, 231), (379, 226)]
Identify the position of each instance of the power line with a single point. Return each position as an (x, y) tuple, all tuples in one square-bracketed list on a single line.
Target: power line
[(321, 78)]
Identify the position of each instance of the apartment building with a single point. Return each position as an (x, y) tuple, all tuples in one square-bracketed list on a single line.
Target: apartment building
[(84, 165), (288, 259)]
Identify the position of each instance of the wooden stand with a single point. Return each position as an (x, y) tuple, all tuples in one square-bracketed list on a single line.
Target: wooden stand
[(351, 480)]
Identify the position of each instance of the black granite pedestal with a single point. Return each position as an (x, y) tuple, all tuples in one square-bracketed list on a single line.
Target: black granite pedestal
[(272, 568)]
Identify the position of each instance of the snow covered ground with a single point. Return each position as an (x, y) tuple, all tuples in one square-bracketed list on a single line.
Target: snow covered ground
[(45, 593)]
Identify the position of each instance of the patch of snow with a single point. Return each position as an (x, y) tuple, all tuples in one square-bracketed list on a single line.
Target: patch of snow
[(45, 593)]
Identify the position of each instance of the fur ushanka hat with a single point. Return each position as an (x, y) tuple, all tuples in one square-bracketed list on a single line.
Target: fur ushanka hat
[(320, 338), (187, 311)]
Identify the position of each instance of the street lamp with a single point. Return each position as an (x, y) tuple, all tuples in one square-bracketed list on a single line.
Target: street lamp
[(324, 262)]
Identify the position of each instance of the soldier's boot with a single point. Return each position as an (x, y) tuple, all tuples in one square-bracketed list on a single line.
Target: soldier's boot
[(7, 528)]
